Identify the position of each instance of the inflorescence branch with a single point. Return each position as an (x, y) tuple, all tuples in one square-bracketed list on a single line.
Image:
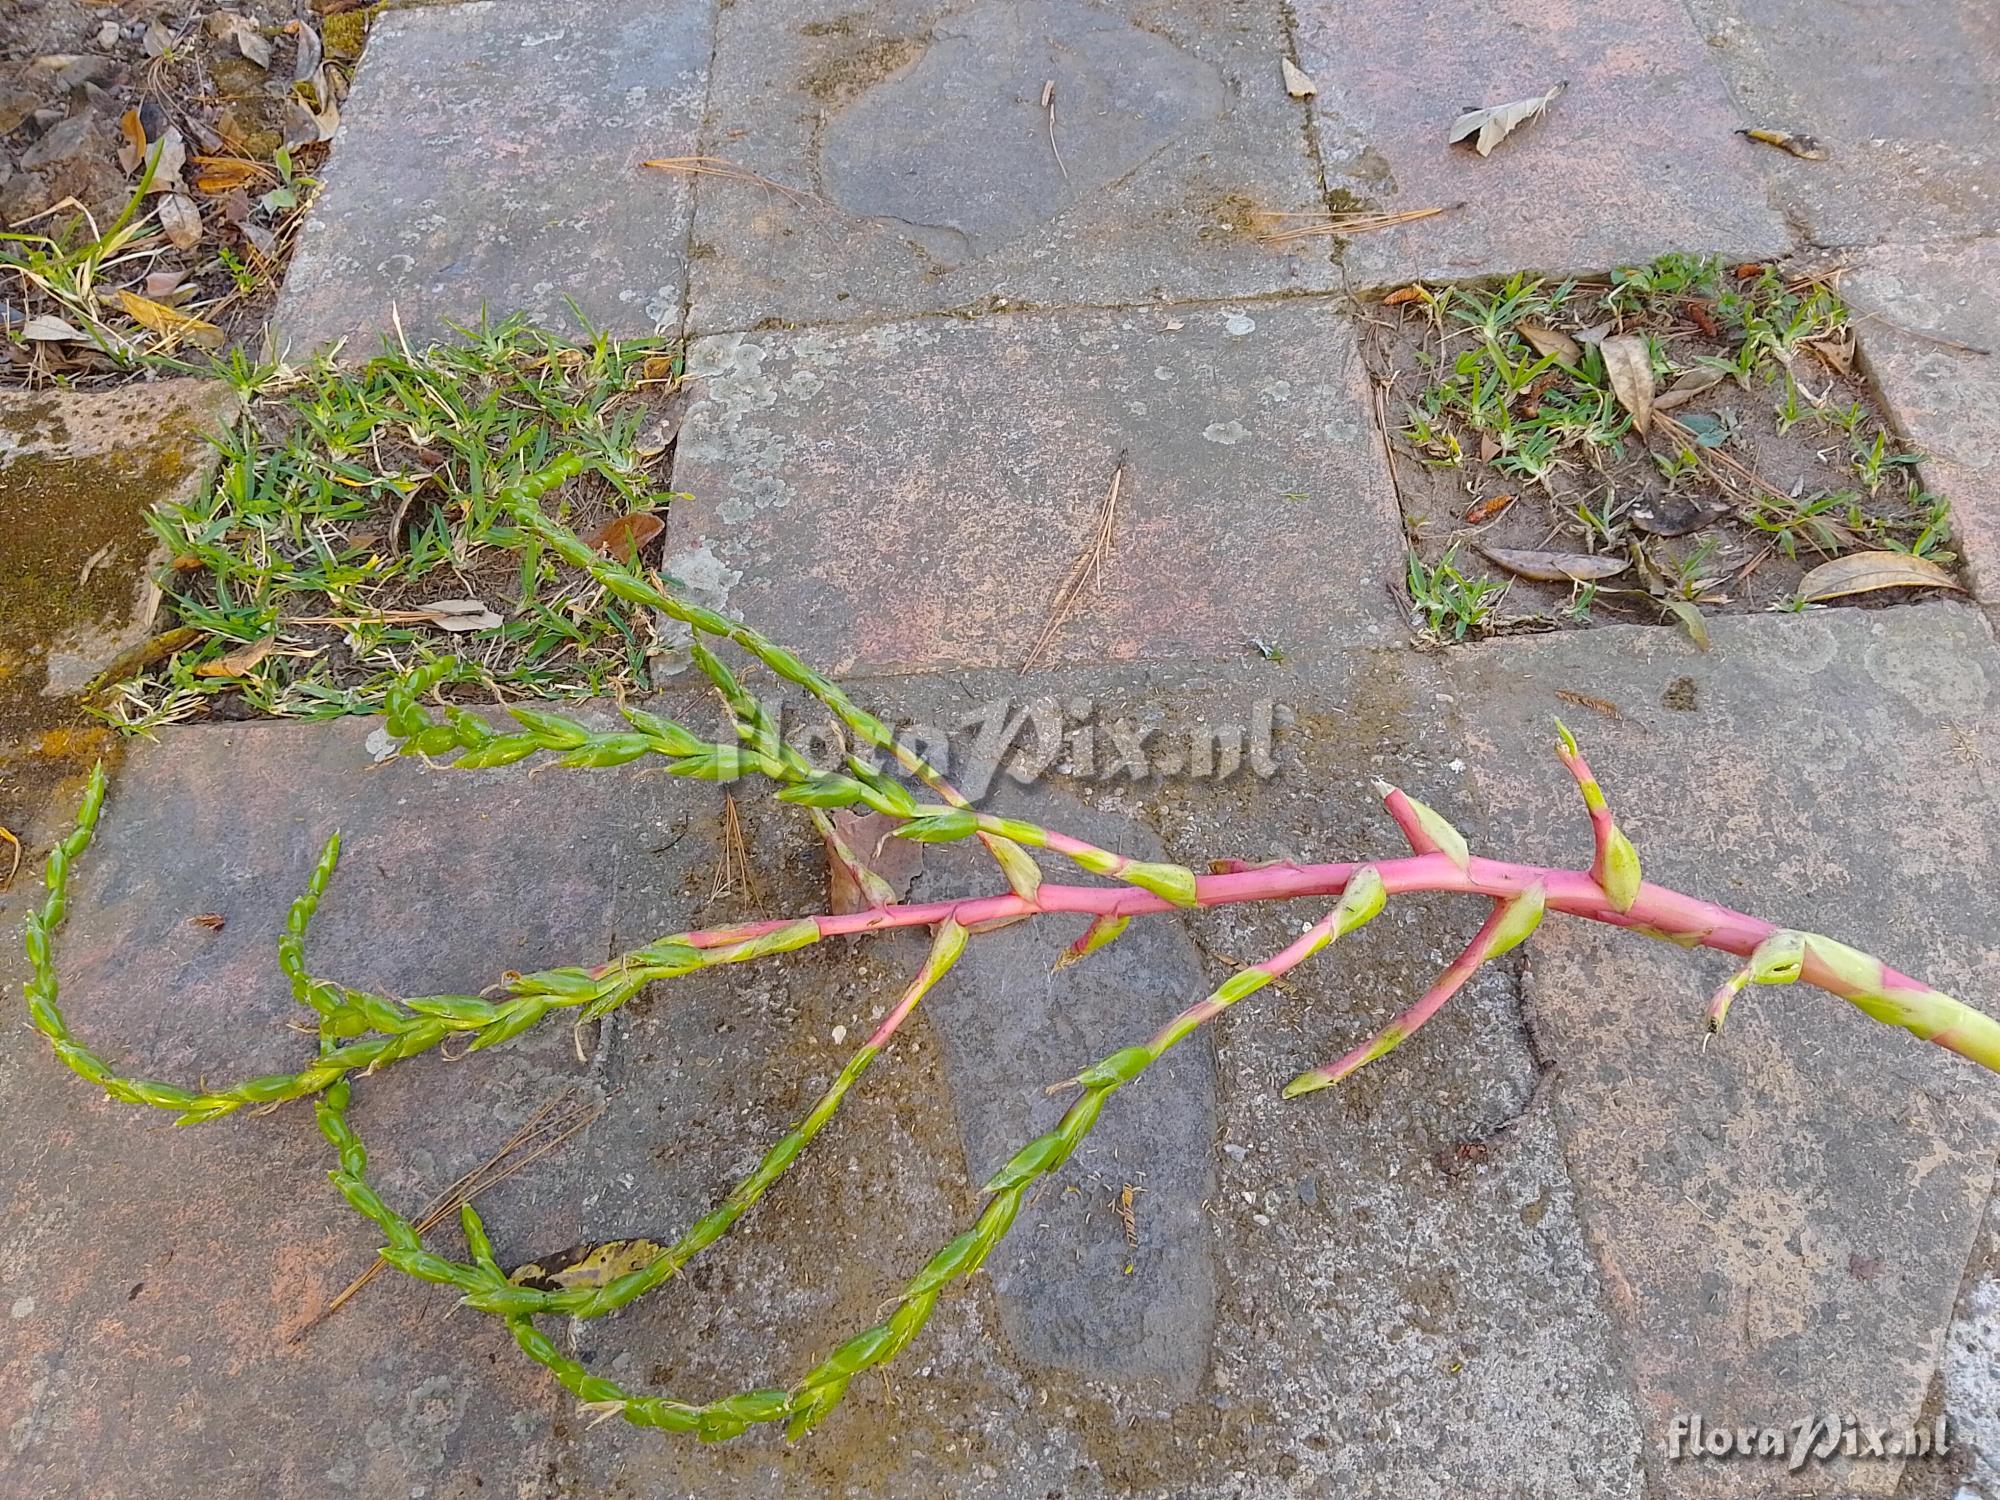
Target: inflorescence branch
[(361, 1032)]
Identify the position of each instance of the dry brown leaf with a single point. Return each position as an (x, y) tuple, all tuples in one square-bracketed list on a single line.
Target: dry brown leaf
[(161, 283), (238, 662), (897, 862), (1546, 341), (157, 40), (218, 174), (1859, 572), (1836, 351), (14, 867), (1486, 510), (1687, 388), (457, 615), (168, 322), (625, 536), (1406, 294), (1489, 447), (170, 154), (1629, 367), (1297, 83), (595, 1267), (1554, 567), (1496, 122), (180, 221), (1802, 146), (134, 150)]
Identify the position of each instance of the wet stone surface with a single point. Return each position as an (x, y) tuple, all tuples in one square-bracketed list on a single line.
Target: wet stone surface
[(1636, 157), (912, 496), (920, 133), (489, 159), (1783, 1217)]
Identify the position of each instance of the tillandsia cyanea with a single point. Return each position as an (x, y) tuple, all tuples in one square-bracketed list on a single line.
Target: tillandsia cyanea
[(361, 1032)]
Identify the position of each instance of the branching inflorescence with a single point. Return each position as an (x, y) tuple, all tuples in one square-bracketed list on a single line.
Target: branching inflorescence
[(361, 1032)]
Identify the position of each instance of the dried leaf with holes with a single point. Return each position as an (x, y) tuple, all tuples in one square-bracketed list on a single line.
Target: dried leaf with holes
[(1860, 572), (169, 323), (1554, 567), (1628, 365), (625, 536), (1802, 146), (239, 662), (458, 615), (1546, 341), (180, 221), (1297, 84), (1496, 122)]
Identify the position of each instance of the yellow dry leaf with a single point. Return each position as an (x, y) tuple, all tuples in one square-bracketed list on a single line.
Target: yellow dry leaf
[(222, 174), (168, 322), (238, 662), (601, 1265)]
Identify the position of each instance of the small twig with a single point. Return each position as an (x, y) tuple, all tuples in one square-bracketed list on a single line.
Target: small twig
[(1049, 104), (716, 166), (1330, 225), (1088, 568)]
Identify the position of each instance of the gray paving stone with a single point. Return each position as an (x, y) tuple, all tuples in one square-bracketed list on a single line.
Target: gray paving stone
[(1635, 159), (919, 130), (1783, 1217), (1918, 308), (1903, 98), (912, 496), (488, 158)]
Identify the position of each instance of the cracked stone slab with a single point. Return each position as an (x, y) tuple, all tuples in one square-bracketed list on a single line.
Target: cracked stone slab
[(1917, 309), (912, 496), (1903, 163), (1782, 1218), (919, 133), (489, 158), (1635, 158)]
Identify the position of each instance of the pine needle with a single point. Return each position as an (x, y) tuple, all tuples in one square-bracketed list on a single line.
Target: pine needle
[(1087, 569), (1328, 226)]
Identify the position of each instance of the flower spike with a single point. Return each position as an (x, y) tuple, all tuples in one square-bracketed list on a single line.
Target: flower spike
[(1616, 865)]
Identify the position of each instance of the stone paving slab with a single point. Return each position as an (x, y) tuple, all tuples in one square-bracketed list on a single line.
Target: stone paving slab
[(1636, 158), (919, 130), (78, 473), (1917, 308), (1904, 99), (1782, 1218), (488, 158), (912, 496)]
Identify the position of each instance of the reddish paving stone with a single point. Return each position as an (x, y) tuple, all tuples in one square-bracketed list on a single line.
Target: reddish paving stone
[(1905, 99), (1906, 299), (1634, 159), (1783, 1217), (912, 496), (489, 159), (919, 128)]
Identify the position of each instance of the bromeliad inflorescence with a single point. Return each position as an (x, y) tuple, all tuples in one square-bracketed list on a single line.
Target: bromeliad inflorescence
[(360, 1032)]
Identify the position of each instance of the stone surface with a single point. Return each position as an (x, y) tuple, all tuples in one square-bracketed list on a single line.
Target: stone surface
[(913, 495), (489, 158), (1783, 1217), (1904, 99), (919, 132), (1634, 159), (78, 472), (1918, 308)]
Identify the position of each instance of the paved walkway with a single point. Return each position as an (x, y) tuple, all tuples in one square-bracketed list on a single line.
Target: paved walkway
[(1502, 1262)]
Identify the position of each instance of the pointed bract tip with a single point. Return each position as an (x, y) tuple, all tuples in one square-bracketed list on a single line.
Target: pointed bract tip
[(1382, 788), (1305, 1083), (1568, 739)]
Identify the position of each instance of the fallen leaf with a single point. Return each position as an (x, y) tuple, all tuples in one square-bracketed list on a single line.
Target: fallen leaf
[(238, 663), (180, 221), (1489, 447), (168, 322), (1750, 270), (1836, 351), (1802, 146), (1629, 367), (1546, 341), (1554, 567), (1487, 509), (251, 43), (310, 51), (170, 155), (14, 868), (47, 328), (1691, 620), (657, 367), (897, 861), (160, 283), (214, 921), (1704, 319), (157, 40), (588, 1268), (1859, 572), (134, 150), (1596, 334), (1405, 294), (623, 537), (458, 615), (1496, 122), (1297, 84), (218, 174), (1687, 387)]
